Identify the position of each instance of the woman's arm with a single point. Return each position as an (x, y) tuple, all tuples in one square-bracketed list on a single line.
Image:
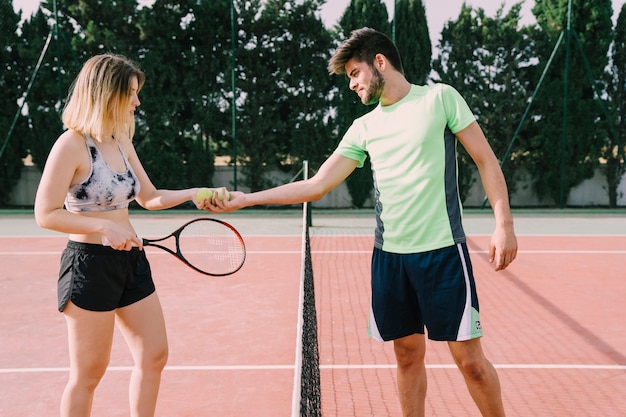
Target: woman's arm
[(68, 162)]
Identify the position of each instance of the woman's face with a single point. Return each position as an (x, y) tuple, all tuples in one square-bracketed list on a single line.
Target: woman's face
[(134, 96)]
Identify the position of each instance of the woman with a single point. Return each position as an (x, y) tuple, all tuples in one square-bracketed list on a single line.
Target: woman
[(94, 171)]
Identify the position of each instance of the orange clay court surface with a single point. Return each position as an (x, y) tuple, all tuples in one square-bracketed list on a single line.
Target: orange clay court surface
[(554, 321)]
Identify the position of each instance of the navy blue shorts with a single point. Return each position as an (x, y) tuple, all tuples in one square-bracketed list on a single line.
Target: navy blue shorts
[(100, 278), (433, 289)]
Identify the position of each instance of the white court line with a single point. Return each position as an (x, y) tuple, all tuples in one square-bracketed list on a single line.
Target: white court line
[(568, 251), (312, 228), (348, 252), (167, 368), (582, 252), (499, 366), (598, 367)]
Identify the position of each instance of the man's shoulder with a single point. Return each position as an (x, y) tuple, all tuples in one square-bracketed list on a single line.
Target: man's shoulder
[(434, 88)]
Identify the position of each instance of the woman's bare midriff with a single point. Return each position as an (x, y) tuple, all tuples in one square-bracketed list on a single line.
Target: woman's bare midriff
[(120, 217)]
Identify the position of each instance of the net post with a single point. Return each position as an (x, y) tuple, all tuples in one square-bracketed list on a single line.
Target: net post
[(307, 206)]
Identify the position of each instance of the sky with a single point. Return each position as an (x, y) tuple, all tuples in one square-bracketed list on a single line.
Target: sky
[(437, 11)]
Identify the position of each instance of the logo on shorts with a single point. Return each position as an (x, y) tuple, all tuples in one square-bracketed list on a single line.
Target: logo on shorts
[(477, 324)]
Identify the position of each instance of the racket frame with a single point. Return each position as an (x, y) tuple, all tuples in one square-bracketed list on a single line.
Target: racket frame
[(178, 254)]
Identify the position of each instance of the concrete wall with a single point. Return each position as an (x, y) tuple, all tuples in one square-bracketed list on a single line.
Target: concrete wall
[(23, 194), (592, 192)]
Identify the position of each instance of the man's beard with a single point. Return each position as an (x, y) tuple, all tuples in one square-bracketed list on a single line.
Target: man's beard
[(375, 89)]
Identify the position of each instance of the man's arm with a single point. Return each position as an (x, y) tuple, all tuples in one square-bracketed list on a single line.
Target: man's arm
[(332, 172), (503, 247)]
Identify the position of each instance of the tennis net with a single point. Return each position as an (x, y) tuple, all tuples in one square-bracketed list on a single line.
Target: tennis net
[(307, 397)]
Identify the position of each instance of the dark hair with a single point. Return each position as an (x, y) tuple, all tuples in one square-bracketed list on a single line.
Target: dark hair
[(363, 45)]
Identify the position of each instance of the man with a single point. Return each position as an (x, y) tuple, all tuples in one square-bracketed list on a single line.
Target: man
[(420, 258)]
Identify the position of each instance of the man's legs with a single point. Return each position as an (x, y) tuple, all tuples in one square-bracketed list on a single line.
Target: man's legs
[(480, 376), (410, 351)]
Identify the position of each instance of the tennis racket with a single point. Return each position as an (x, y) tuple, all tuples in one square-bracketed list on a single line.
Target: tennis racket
[(209, 246)]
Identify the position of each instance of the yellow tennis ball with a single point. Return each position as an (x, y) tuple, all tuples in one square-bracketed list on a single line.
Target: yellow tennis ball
[(203, 193), (219, 194)]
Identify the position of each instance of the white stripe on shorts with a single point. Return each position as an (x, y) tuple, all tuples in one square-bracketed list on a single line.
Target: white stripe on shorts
[(466, 325), (372, 327)]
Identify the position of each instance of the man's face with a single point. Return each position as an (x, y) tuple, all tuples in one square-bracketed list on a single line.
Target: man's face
[(365, 80)]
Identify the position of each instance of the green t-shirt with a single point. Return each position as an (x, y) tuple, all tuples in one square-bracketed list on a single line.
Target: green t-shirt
[(412, 149)]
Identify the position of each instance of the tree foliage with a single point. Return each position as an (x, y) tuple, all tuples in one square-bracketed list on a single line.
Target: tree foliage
[(347, 105), (282, 87), (289, 109), (184, 117), (486, 59), (12, 83), (566, 145), (413, 40), (614, 147)]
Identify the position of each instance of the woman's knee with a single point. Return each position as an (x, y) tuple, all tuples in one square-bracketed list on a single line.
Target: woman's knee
[(160, 358), (154, 358), (88, 374)]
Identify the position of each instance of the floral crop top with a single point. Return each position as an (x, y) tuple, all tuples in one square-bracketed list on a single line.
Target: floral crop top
[(104, 189)]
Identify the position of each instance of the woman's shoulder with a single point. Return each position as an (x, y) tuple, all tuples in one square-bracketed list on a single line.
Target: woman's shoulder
[(71, 139), (70, 143)]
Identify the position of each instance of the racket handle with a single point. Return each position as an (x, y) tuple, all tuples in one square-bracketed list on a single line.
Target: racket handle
[(107, 242)]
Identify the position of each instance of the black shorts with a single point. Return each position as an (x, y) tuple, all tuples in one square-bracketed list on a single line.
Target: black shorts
[(100, 278), (433, 289)]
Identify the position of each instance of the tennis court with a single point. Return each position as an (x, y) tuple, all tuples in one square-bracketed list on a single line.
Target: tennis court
[(554, 321)]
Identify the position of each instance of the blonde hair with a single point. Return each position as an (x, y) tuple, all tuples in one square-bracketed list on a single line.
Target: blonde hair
[(98, 99)]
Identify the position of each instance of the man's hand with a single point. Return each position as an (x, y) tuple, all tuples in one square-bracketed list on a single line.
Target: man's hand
[(503, 247), (225, 205)]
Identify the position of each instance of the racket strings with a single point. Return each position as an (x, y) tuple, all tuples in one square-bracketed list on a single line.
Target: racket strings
[(212, 247)]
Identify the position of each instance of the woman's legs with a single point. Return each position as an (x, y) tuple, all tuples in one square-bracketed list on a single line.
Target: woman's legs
[(90, 335), (143, 327)]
